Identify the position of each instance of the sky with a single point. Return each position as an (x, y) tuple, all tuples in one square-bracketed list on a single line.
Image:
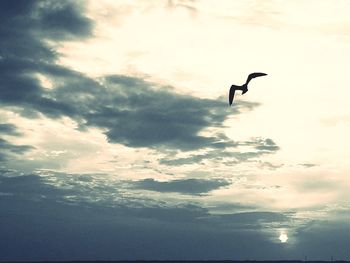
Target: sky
[(117, 140)]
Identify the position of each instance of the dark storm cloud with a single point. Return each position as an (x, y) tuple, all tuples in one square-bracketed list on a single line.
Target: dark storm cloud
[(184, 186), (132, 111), (23, 53), (143, 114), (138, 113), (63, 20), (25, 22), (24, 25), (17, 29)]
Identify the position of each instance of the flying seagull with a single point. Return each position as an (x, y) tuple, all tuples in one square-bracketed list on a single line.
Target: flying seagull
[(244, 87)]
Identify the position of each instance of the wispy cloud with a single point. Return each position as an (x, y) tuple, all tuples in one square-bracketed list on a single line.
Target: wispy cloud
[(230, 153)]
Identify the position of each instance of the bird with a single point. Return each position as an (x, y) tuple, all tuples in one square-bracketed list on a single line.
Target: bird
[(244, 87)]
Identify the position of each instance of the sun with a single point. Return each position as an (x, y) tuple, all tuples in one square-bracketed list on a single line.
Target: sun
[(283, 237)]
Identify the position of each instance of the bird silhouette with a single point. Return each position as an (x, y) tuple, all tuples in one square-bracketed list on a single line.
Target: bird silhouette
[(244, 87)]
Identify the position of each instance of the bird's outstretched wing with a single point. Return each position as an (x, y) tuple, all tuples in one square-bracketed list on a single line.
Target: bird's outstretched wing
[(232, 94), (254, 75)]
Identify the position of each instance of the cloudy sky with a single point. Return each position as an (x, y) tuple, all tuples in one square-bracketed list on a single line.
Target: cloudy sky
[(117, 140)]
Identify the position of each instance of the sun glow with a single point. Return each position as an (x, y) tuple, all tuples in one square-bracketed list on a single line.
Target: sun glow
[(283, 237)]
